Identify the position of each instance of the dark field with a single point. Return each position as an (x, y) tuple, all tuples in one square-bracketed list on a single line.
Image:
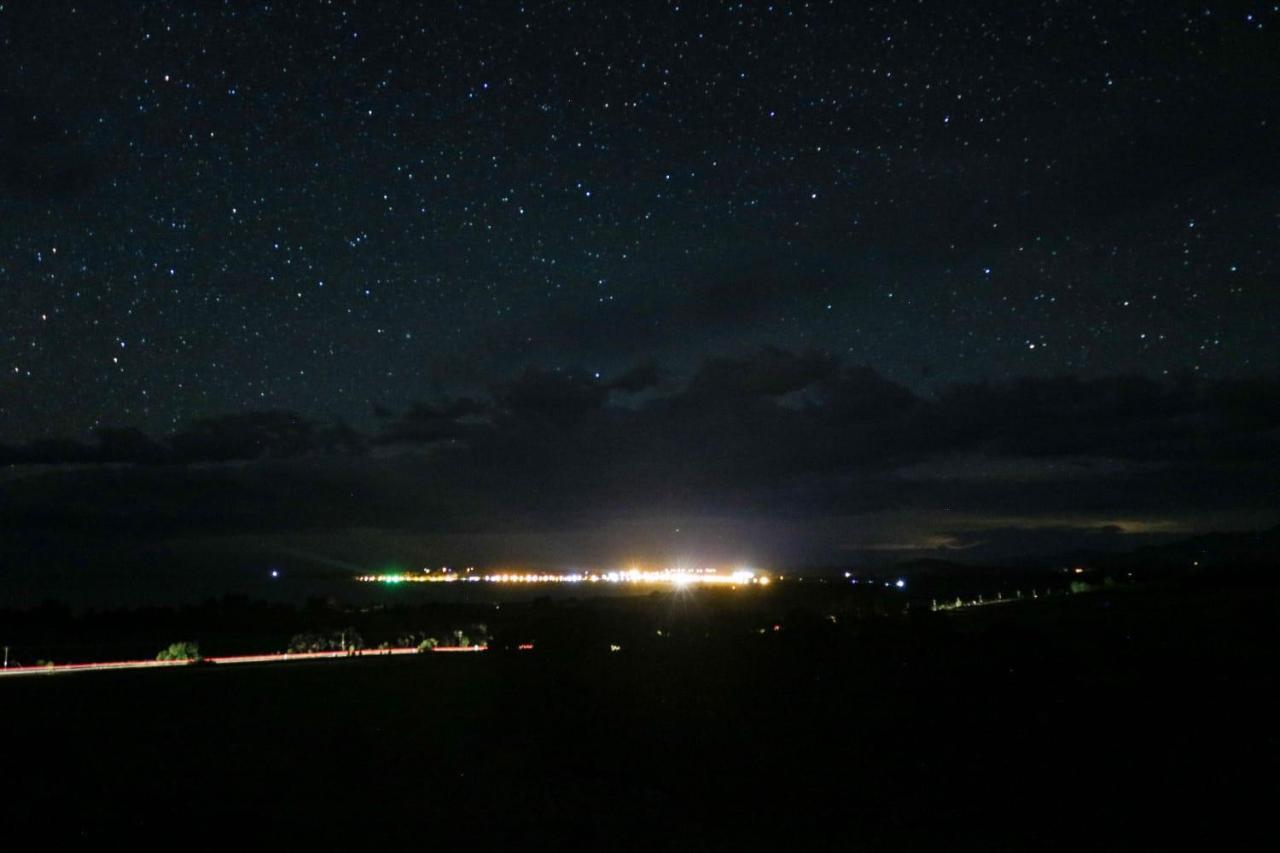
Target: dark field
[(1131, 719)]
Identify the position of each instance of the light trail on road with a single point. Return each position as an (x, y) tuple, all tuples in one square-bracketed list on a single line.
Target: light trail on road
[(104, 666)]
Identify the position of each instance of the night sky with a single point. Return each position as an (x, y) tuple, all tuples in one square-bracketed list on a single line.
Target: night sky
[(793, 281)]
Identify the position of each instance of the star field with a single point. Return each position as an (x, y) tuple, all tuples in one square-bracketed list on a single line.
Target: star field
[(327, 207)]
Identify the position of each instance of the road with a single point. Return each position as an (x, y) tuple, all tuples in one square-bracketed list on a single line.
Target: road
[(101, 666)]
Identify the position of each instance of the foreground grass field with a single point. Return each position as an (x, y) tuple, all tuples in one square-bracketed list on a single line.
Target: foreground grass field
[(1111, 721)]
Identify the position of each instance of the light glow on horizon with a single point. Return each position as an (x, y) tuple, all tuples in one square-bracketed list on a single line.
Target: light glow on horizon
[(675, 578)]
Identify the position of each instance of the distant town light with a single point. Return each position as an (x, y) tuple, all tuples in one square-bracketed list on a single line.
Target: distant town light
[(677, 578)]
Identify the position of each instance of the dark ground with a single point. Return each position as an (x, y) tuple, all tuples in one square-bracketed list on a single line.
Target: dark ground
[(1127, 720)]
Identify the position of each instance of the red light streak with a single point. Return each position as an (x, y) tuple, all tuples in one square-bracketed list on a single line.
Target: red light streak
[(101, 666)]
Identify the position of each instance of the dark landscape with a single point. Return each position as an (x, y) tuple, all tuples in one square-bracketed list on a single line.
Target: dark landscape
[(1122, 715)]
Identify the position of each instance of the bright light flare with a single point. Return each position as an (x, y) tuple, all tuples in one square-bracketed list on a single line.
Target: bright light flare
[(675, 578)]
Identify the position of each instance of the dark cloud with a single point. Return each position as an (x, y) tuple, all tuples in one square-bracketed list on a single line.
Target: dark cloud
[(229, 438), (425, 424), (1122, 417), (549, 396), (642, 377), (797, 453), (722, 299), (770, 372)]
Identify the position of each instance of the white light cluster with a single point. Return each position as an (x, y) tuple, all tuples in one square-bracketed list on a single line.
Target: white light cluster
[(677, 578)]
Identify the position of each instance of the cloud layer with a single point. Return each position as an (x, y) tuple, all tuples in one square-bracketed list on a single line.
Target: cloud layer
[(774, 455)]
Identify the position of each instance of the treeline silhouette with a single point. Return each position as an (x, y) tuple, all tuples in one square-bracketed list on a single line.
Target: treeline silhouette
[(232, 624)]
